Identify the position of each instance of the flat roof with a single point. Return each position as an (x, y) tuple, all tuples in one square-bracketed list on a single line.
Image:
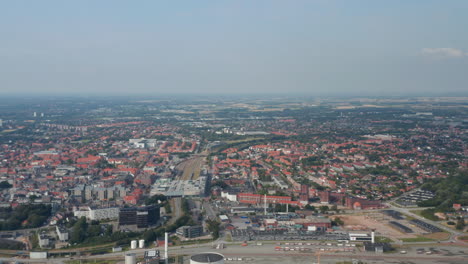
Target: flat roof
[(207, 257)]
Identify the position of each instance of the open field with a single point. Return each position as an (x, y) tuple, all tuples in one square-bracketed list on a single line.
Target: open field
[(380, 223), (363, 222)]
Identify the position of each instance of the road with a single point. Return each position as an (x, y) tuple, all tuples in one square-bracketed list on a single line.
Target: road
[(210, 213), (176, 207), (267, 254)]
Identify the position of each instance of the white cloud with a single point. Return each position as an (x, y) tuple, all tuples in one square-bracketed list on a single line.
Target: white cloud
[(444, 52)]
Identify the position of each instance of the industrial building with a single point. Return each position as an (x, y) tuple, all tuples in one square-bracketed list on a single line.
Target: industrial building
[(44, 240), (130, 258), (190, 231), (327, 197), (62, 233), (362, 237), (203, 258), (151, 257), (377, 247), (96, 213)]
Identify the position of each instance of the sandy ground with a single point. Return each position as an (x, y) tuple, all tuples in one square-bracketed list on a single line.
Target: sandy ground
[(372, 221)]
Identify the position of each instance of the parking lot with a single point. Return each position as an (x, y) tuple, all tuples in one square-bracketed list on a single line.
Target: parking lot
[(283, 235), (413, 198)]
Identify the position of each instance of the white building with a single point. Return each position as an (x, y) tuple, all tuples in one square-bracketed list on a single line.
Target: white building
[(97, 214), (62, 233), (44, 241), (229, 197)]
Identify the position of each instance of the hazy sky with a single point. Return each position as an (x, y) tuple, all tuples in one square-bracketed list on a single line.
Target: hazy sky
[(314, 46)]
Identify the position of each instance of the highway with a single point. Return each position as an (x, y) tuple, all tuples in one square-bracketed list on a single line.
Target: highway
[(267, 254)]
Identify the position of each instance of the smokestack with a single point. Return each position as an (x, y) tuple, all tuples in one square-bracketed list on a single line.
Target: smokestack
[(264, 204), (373, 237), (287, 208), (166, 241)]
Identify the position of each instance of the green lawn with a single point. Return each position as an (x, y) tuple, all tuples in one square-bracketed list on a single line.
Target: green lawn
[(383, 239), (417, 239)]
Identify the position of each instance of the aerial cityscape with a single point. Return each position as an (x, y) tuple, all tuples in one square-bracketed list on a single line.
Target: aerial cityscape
[(96, 178), (332, 132)]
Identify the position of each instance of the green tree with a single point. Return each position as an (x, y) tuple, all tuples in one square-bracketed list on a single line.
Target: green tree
[(5, 185), (213, 227), (460, 223), (79, 231), (324, 209), (338, 221), (94, 230)]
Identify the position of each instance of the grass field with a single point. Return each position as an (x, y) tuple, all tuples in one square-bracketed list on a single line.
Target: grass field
[(438, 236), (383, 239), (417, 239)]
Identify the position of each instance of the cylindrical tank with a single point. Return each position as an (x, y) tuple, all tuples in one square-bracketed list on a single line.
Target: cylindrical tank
[(141, 243), (204, 258), (130, 258), (133, 244)]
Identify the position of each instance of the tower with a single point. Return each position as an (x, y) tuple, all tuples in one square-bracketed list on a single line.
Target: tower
[(166, 241)]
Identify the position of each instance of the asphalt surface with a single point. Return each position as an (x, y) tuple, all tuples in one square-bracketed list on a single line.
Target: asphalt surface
[(267, 253)]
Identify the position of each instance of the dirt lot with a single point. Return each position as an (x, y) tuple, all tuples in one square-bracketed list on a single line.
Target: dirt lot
[(374, 221)]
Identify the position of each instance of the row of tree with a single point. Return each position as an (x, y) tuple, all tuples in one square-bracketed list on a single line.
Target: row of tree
[(24, 216), (450, 190)]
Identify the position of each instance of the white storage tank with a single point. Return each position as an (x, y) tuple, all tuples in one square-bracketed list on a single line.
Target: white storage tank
[(141, 243), (130, 258), (133, 244), (203, 258)]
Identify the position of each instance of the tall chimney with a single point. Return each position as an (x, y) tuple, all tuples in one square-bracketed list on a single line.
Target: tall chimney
[(373, 237), (166, 242)]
